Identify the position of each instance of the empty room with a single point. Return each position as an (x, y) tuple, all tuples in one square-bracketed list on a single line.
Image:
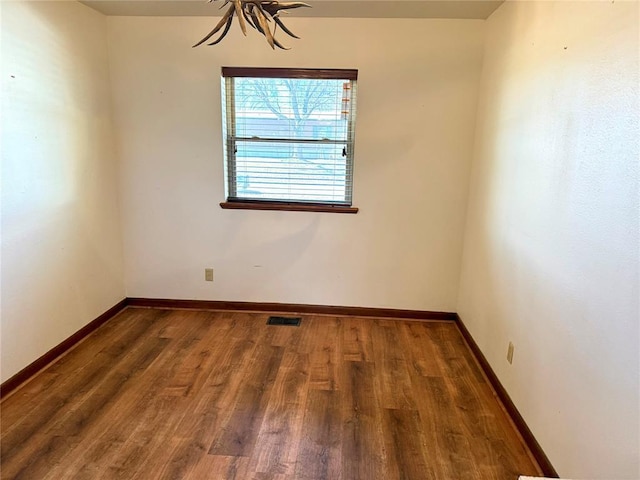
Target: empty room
[(339, 239)]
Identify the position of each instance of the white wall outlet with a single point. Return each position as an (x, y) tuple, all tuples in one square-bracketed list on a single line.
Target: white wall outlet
[(510, 353), (208, 274)]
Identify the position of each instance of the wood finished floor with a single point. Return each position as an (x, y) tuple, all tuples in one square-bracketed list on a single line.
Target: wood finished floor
[(167, 394)]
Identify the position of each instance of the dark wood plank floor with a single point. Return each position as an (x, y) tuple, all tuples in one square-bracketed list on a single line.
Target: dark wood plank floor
[(164, 394)]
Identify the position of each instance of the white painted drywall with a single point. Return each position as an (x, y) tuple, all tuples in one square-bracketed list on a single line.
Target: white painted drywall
[(551, 249), (418, 82), (61, 239)]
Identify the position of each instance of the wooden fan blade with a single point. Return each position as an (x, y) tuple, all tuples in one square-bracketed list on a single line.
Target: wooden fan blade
[(227, 16), (284, 28), (224, 32)]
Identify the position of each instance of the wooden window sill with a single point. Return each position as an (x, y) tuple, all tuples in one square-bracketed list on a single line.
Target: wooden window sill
[(291, 207)]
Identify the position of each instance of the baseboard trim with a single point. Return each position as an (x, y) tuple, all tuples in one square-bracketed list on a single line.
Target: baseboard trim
[(526, 434), (30, 370), (291, 308)]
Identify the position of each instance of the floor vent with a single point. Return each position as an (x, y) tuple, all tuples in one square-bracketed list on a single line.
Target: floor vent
[(289, 321)]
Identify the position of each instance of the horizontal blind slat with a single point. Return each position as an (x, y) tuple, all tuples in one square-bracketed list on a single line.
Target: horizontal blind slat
[(288, 140)]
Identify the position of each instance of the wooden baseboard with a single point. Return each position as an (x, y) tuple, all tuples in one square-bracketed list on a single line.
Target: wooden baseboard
[(291, 308), (30, 370), (526, 434)]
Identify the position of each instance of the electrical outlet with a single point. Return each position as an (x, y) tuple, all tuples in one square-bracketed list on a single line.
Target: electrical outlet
[(208, 274), (510, 353)]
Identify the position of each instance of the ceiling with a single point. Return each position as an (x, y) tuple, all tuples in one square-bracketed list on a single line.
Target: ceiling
[(470, 9)]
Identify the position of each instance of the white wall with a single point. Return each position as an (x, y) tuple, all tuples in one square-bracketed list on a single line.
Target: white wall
[(416, 114), (551, 248), (61, 239)]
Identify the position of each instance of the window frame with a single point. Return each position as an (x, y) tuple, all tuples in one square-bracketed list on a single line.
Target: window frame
[(229, 141)]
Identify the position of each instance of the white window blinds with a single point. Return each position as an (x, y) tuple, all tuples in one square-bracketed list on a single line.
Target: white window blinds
[(289, 134)]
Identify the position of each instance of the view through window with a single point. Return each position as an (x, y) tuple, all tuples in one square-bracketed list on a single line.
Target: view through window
[(289, 134)]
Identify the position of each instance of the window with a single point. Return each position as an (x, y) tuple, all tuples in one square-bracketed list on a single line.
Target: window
[(289, 138)]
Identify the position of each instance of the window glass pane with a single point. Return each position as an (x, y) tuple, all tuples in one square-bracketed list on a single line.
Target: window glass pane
[(294, 171), (290, 108)]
